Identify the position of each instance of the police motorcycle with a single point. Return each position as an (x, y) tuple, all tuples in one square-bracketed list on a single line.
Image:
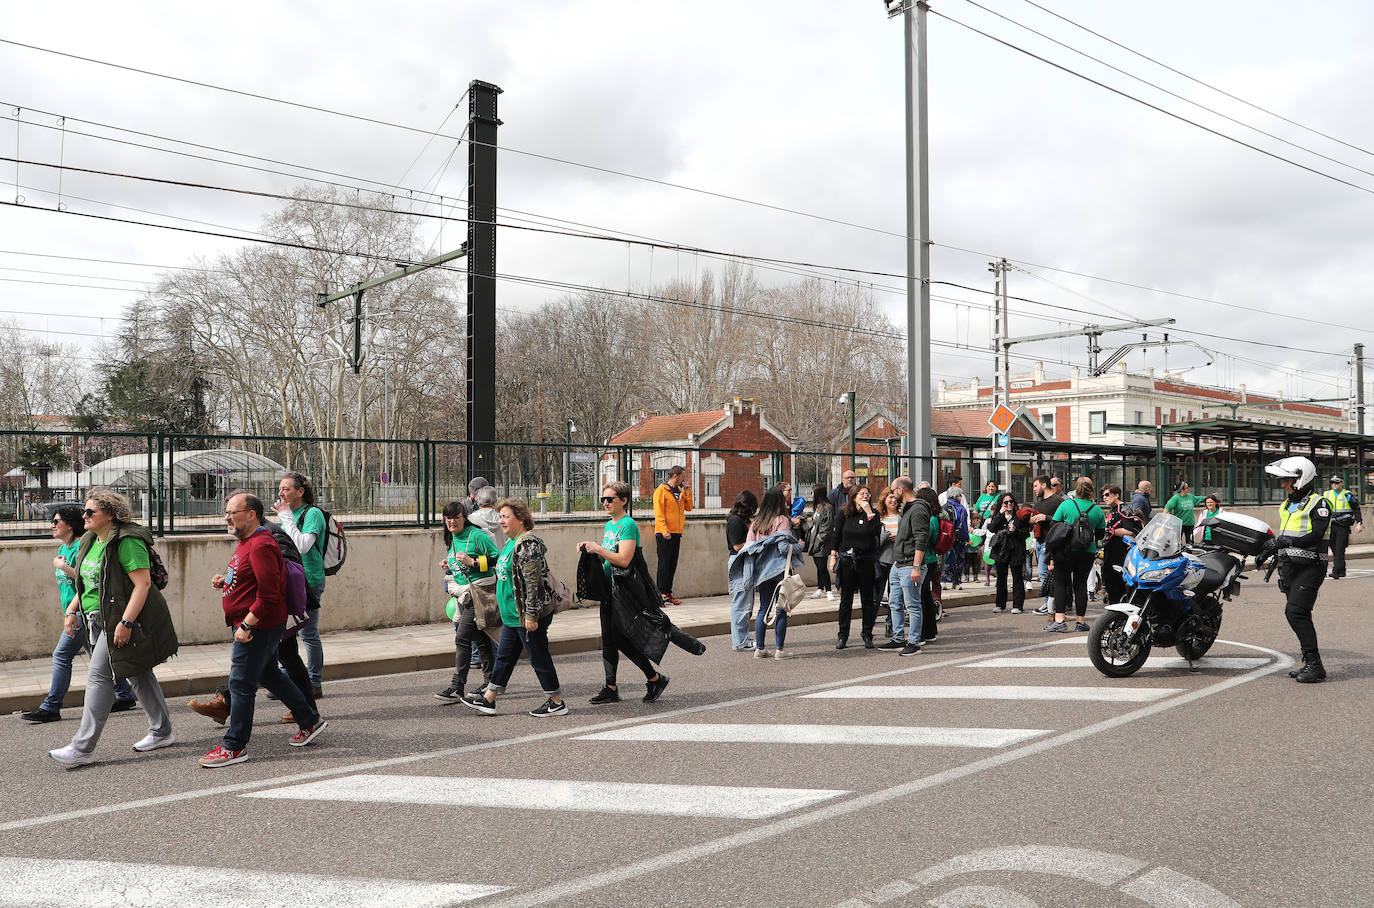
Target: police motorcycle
[(1175, 591)]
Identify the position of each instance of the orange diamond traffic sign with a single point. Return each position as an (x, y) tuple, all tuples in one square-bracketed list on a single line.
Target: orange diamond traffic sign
[(1002, 418)]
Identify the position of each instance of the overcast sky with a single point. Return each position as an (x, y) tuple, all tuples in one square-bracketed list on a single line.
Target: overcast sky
[(797, 105)]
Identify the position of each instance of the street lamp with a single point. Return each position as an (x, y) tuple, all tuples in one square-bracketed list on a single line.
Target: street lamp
[(571, 427), (849, 397)]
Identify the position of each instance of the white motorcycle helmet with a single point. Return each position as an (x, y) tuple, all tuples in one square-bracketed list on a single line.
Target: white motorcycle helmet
[(1299, 469)]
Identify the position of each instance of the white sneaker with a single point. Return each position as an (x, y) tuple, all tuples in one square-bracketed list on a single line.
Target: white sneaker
[(819, 594), (782, 654), (829, 595), (151, 741), (70, 756), (760, 653)]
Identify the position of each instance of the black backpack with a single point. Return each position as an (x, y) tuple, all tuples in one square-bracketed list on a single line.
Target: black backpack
[(1084, 535)]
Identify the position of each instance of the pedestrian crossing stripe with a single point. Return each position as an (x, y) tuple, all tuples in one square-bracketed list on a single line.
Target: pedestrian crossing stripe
[(1228, 663), (555, 794), (1121, 694), (92, 884), (873, 735)]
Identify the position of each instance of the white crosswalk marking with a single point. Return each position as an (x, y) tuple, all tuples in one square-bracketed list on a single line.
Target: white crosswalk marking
[(100, 884), (555, 794), (876, 735), (995, 692), (1230, 663)]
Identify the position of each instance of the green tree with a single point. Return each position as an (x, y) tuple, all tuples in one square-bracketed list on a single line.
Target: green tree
[(38, 457), (158, 393)]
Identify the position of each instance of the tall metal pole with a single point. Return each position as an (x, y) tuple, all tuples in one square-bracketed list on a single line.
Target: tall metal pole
[(1359, 390), (851, 395), (918, 240), (481, 251)]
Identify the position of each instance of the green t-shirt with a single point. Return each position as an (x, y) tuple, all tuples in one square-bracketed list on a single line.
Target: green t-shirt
[(310, 519), (505, 587), (616, 532), (1207, 531), (985, 502), (133, 555), (1182, 506), (1068, 512), (66, 585), (474, 543)]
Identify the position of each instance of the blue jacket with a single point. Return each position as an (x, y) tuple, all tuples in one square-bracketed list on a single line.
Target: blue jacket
[(763, 559)]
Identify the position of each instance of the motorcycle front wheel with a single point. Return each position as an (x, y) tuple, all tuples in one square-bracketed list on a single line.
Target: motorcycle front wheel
[(1109, 650)]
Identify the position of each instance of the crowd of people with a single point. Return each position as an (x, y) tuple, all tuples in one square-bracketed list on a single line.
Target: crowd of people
[(898, 545)]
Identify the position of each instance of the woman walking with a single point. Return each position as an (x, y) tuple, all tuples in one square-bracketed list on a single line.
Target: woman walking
[(1121, 522), (1008, 529), (130, 625), (818, 540), (1073, 562), (771, 520), (525, 599), (736, 532), (619, 541), (470, 559), (854, 550), (66, 526)]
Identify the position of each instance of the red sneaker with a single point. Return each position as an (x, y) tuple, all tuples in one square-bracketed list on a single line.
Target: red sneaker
[(223, 756), (305, 736)]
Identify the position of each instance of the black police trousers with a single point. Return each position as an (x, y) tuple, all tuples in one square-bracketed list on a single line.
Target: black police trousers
[(1300, 580), (1340, 538)]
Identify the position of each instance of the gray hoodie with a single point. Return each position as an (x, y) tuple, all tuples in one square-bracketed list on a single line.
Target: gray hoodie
[(913, 533)]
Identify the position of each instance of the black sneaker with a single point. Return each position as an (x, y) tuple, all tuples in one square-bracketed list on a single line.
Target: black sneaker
[(479, 703), (550, 708), (891, 644), (655, 688), (123, 705), (1042, 610), (910, 649), (316, 691), (605, 695), (39, 715), (451, 694)]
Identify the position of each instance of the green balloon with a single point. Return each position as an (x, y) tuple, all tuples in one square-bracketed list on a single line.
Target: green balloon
[(451, 609), (987, 556)]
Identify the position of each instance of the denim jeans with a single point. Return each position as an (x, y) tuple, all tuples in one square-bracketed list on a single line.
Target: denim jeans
[(310, 637), (254, 663), (1042, 569), (766, 590), (514, 641), (62, 656), (100, 697), (904, 600), (741, 610)]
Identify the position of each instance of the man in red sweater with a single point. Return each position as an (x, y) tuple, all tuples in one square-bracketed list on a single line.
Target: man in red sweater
[(254, 588)]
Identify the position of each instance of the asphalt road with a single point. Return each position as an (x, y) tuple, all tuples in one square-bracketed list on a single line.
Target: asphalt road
[(958, 777)]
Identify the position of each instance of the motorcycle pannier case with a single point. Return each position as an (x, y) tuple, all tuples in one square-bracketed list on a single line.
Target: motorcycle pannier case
[(1238, 533)]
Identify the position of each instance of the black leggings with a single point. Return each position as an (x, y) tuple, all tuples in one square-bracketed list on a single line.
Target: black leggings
[(289, 655), (857, 574), (1018, 584), (822, 572), (1071, 571), (466, 635), (613, 643)]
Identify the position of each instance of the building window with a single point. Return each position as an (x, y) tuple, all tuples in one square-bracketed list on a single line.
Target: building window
[(1047, 423), (1139, 418), (1097, 422)]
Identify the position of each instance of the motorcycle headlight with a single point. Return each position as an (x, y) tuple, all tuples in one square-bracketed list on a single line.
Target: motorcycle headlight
[(1128, 568), (1156, 574)]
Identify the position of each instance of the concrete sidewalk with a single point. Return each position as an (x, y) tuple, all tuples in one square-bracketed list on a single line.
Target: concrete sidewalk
[(352, 654)]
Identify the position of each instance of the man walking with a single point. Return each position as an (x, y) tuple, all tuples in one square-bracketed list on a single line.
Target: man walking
[(1047, 501), (1140, 500), (672, 501), (304, 523), (839, 495), (254, 603), (485, 516), (1345, 513)]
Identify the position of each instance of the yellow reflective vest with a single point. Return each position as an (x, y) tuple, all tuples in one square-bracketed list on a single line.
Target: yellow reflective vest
[(1296, 519)]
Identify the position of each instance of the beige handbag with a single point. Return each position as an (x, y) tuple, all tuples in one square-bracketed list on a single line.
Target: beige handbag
[(789, 594)]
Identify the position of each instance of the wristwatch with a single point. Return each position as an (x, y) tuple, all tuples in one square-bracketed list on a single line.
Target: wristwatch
[(128, 624), (247, 627)]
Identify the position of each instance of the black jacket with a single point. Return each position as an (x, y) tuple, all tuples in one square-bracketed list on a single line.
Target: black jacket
[(913, 533), (637, 607), (1008, 545)]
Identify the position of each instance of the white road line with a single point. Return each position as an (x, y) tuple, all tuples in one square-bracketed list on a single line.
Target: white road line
[(1228, 663), (739, 803), (996, 692), (78, 884), (1170, 889), (568, 890), (368, 765), (848, 735)]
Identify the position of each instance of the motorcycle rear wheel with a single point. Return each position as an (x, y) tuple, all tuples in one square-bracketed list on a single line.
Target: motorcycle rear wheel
[(1109, 652)]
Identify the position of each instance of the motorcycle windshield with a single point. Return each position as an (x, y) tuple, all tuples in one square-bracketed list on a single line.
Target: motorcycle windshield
[(1162, 536)]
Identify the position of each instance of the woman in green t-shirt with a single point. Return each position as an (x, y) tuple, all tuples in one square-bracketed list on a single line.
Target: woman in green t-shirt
[(470, 557), (619, 542), (987, 502), (114, 589), (66, 529), (1211, 507), (1073, 563), (1182, 505)]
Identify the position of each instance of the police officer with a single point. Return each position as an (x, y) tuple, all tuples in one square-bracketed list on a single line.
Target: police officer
[(1345, 513), (1300, 548)]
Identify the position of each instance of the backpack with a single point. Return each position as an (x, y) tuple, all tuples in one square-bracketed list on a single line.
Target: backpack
[(157, 571), (333, 544), (297, 594), (958, 516), (945, 540), (1084, 535)]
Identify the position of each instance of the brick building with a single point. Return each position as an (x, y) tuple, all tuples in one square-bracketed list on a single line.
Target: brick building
[(725, 451)]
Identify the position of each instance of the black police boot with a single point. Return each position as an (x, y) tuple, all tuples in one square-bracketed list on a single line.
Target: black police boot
[(1312, 670)]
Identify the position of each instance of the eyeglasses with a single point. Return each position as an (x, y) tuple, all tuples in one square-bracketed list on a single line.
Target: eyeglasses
[(607, 499), (89, 512), (232, 513), (55, 521)]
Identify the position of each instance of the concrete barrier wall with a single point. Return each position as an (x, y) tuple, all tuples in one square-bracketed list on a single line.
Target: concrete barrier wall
[(392, 577)]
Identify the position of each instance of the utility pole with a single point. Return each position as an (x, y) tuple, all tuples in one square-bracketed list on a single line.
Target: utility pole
[(1001, 383), (481, 247), (1359, 390), (917, 233)]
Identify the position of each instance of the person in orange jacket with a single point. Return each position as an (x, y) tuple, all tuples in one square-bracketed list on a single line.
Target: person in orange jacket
[(672, 501)]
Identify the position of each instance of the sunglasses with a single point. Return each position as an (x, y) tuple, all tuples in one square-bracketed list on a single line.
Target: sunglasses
[(89, 512), (607, 499)]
